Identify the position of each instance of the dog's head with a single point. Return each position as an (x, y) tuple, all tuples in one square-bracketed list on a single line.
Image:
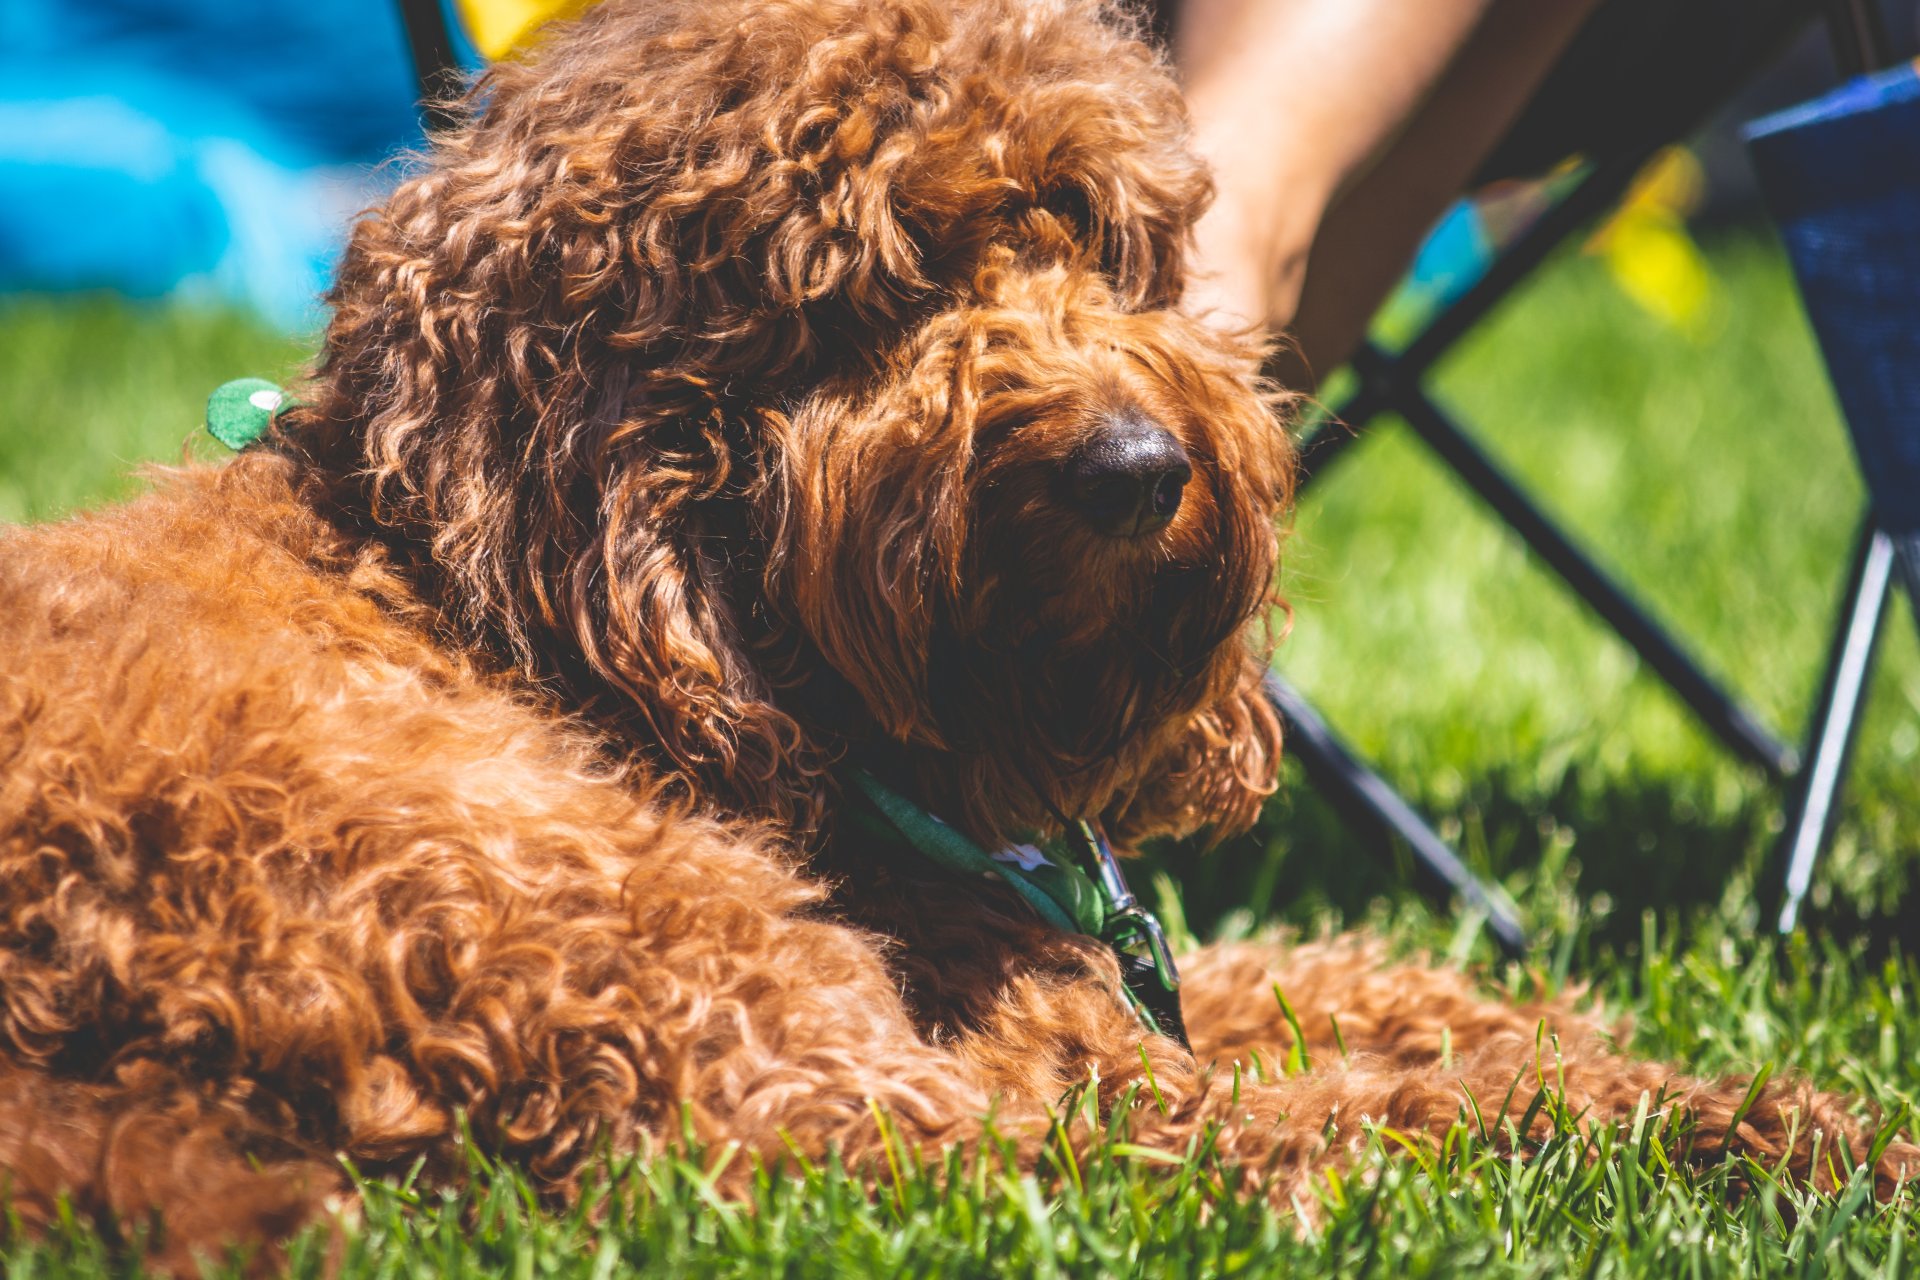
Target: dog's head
[(789, 378)]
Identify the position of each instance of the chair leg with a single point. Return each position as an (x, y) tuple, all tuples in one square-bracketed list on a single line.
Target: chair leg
[(435, 69), (1811, 805), (1597, 192), (1718, 710), (1906, 553), (1362, 794)]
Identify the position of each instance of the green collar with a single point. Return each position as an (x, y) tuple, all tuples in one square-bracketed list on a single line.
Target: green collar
[(1061, 893)]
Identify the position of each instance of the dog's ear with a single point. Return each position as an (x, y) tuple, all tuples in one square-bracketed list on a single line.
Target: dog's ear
[(569, 511), (1220, 768), (551, 361)]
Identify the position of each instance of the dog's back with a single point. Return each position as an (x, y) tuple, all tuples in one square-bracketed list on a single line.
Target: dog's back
[(282, 879), (155, 660), (255, 829)]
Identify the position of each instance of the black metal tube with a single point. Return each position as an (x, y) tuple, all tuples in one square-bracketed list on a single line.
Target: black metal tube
[(435, 69), (1859, 36), (1393, 382), (1718, 711), (1361, 793), (1811, 808), (1380, 374), (1333, 436)]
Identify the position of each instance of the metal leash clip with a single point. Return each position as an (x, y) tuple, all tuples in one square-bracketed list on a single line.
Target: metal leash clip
[(1153, 981)]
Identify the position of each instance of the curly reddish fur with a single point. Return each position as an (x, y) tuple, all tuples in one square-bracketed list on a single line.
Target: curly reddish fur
[(689, 423), (693, 275)]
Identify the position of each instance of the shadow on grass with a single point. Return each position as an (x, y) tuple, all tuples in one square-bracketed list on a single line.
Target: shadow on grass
[(1587, 858)]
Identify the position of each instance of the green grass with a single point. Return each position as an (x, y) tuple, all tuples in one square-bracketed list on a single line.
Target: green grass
[(90, 388), (1714, 475)]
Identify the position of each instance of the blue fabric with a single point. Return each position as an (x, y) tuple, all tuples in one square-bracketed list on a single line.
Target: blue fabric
[(333, 77), (1455, 254), (1841, 175), (197, 147)]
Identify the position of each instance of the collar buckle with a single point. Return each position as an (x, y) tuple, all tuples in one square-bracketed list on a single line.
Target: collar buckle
[(1100, 906), (1152, 979)]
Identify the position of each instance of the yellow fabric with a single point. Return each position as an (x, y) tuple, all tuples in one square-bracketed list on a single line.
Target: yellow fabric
[(498, 27), (1649, 252)]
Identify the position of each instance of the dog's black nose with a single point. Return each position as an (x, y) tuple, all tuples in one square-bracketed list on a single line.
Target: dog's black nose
[(1128, 478)]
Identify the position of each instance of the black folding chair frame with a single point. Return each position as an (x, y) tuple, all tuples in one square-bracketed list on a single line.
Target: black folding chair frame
[(1393, 383)]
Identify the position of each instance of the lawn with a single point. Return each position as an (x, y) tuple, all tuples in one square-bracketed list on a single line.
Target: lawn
[(1711, 472)]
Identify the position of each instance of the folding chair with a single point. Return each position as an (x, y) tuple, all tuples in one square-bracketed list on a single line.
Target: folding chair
[(1392, 381), (1841, 176)]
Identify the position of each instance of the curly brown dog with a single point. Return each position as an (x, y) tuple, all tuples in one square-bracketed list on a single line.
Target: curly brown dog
[(745, 389)]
